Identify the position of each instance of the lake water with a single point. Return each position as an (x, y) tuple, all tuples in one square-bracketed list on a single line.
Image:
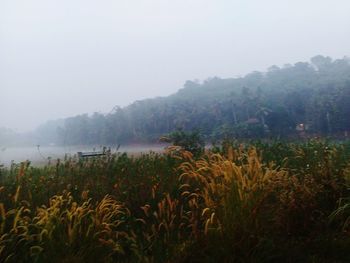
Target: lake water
[(40, 155)]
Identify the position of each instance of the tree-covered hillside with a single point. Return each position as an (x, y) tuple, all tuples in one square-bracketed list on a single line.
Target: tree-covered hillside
[(307, 97)]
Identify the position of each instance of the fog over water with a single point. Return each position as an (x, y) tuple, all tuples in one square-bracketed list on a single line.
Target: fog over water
[(42, 154), (62, 58)]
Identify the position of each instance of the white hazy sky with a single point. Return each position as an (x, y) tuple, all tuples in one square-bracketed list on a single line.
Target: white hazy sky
[(59, 58)]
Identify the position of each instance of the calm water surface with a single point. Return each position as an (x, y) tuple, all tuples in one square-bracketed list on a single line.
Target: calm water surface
[(40, 155)]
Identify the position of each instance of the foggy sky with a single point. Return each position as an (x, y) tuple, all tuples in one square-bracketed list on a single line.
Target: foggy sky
[(60, 58)]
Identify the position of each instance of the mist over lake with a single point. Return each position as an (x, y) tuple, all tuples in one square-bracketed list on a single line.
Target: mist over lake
[(174, 131), (41, 155)]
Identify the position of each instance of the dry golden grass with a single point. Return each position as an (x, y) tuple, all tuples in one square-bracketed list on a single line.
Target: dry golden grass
[(227, 203)]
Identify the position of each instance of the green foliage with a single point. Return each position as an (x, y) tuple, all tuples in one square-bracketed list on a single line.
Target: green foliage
[(189, 141)]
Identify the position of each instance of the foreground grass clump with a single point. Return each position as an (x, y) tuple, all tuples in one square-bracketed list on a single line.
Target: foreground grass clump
[(239, 203)]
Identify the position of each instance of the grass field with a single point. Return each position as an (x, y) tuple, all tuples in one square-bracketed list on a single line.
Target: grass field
[(257, 202)]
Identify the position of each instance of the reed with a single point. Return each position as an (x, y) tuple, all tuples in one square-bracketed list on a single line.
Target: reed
[(238, 203)]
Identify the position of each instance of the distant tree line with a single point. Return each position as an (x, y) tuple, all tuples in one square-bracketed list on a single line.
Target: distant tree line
[(307, 97)]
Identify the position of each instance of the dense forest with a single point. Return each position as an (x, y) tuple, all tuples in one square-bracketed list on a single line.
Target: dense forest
[(293, 100)]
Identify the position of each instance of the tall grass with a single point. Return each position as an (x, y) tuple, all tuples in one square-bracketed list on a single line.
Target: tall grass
[(240, 203)]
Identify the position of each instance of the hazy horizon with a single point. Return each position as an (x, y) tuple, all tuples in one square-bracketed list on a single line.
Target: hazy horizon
[(63, 58)]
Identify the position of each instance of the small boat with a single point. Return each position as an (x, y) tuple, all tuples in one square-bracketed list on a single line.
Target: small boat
[(92, 154)]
